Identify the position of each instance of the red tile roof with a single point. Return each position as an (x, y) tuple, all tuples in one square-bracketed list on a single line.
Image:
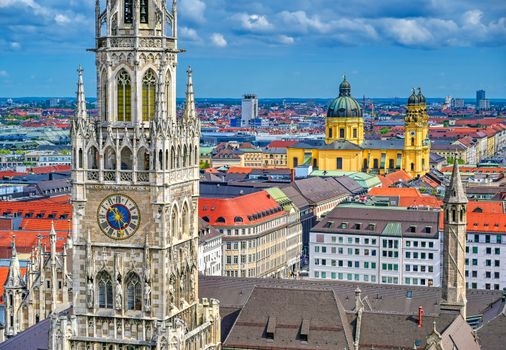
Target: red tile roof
[(486, 207), (50, 169), (239, 170), (395, 177), (248, 209), (30, 224), (281, 144), (408, 197), (26, 240), (395, 191), (45, 208)]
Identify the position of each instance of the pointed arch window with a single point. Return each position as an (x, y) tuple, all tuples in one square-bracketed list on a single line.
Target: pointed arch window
[(124, 96), (104, 290), (128, 12), (144, 11), (148, 95), (134, 292)]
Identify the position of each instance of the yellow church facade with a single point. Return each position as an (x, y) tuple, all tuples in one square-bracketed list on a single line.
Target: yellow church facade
[(346, 149)]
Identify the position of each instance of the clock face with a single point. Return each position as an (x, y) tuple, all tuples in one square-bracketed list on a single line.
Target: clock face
[(118, 216)]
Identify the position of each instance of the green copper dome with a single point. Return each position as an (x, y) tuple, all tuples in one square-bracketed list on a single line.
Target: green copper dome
[(344, 106)]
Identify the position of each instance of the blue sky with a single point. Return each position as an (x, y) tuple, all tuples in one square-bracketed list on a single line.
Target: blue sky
[(275, 48)]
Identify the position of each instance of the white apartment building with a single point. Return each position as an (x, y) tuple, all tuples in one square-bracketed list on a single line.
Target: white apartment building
[(210, 250), (486, 260), (383, 245), (47, 158)]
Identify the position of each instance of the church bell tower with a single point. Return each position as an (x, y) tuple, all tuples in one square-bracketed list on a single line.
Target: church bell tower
[(135, 190), (454, 246), (416, 136)]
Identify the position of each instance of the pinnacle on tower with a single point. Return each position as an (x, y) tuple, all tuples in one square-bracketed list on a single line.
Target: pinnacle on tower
[(14, 279), (455, 191), (81, 99), (189, 111)]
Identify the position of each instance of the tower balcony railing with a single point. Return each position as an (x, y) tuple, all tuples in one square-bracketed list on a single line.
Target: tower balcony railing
[(140, 176), (109, 175), (144, 42)]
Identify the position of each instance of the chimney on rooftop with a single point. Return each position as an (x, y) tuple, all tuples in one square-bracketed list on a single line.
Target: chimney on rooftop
[(420, 316)]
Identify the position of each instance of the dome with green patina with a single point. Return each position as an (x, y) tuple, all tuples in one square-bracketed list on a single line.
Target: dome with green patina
[(344, 106)]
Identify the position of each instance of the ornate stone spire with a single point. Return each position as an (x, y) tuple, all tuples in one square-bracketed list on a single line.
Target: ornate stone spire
[(455, 192), (14, 279), (189, 111), (81, 99)]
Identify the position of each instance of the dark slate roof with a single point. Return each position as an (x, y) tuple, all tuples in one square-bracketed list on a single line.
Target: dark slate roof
[(34, 338), (224, 190), (309, 144), (398, 331), (341, 145), (234, 292), (389, 320), (492, 335), (383, 144), (447, 146), (351, 185), (286, 317), (387, 221), (295, 196), (320, 189)]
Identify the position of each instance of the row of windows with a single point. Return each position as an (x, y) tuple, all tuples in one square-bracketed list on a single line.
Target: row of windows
[(417, 281), (419, 268), (349, 240), (488, 250), (474, 285), (346, 263), (342, 133), (487, 274), (417, 255), (488, 262), (340, 250), (345, 276)]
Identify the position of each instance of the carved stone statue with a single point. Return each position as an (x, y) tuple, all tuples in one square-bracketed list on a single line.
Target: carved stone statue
[(171, 295), (147, 296), (90, 292), (192, 285), (118, 300)]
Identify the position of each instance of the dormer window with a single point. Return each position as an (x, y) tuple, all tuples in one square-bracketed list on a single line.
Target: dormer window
[(344, 225), (412, 229)]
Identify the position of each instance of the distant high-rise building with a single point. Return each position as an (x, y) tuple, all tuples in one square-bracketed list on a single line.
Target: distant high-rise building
[(458, 103), (480, 95), (249, 109), (484, 104)]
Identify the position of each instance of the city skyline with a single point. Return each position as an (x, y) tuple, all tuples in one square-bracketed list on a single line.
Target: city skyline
[(300, 51)]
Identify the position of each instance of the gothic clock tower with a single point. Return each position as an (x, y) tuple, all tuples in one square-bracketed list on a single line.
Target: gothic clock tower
[(135, 190)]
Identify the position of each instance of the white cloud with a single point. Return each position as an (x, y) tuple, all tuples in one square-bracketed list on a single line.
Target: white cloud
[(15, 45), (189, 34), (61, 19), (3, 74), (472, 17), (254, 22), (193, 10), (218, 40), (285, 39), (299, 21)]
